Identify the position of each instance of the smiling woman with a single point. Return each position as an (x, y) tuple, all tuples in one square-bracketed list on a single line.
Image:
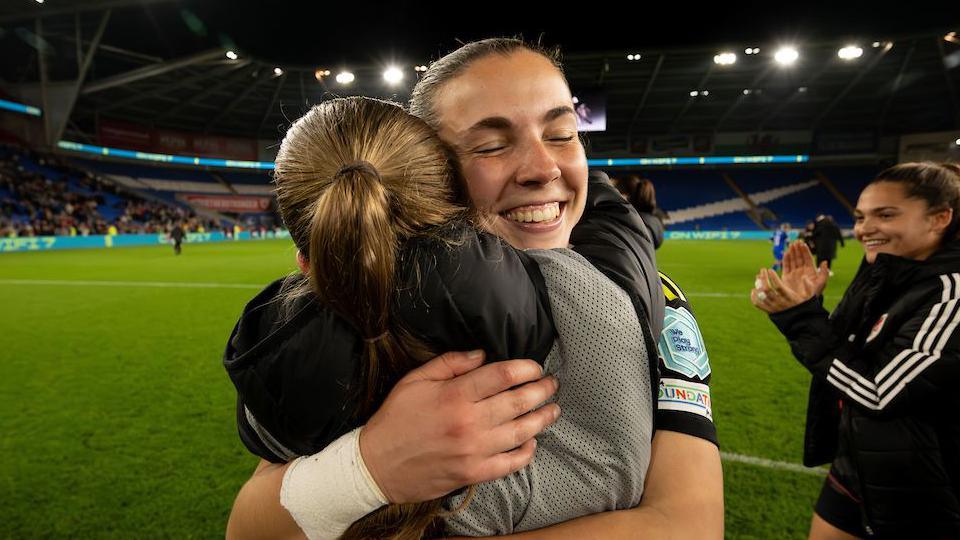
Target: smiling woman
[(582, 315), (901, 215), (889, 354), (526, 167)]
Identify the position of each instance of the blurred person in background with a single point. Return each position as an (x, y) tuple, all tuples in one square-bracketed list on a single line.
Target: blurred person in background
[(642, 195), (826, 235), (807, 236), (176, 236), (780, 239), (885, 364)]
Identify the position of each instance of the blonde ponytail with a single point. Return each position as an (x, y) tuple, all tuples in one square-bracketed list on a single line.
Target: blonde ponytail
[(356, 179)]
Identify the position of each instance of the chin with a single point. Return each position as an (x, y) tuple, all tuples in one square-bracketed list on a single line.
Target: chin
[(527, 240)]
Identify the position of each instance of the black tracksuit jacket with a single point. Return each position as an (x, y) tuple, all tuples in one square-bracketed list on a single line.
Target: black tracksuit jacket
[(883, 402)]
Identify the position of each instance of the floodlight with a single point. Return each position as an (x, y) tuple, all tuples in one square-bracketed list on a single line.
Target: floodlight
[(393, 75), (786, 56), (725, 58), (850, 52)]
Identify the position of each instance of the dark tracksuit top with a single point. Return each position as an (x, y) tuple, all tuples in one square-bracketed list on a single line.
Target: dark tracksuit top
[(883, 401)]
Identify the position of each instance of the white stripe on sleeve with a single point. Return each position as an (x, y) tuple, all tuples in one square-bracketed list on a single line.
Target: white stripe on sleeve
[(928, 345)]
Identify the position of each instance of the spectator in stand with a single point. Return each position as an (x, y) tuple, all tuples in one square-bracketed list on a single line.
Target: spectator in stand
[(68, 202)]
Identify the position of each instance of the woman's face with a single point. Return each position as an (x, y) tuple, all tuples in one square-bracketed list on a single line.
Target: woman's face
[(511, 121), (887, 221)]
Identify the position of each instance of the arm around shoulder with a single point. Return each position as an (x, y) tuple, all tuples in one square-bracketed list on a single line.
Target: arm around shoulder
[(682, 500), (257, 512)]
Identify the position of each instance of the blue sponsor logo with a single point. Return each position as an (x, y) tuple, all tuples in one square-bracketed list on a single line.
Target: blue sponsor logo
[(681, 344)]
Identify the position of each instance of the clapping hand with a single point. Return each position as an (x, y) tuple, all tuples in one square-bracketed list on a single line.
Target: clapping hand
[(801, 281)]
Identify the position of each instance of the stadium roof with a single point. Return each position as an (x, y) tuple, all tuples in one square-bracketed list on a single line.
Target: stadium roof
[(163, 63)]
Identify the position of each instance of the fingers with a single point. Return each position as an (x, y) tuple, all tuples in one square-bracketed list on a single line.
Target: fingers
[(517, 432), (806, 257), (446, 366), (823, 275), (758, 298), (506, 406), (772, 281), (493, 378), (505, 463), (793, 259)]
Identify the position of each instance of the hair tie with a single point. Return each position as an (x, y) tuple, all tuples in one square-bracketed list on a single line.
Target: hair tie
[(357, 166), (376, 339)]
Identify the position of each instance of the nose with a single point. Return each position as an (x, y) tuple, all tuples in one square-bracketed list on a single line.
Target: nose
[(865, 226), (537, 164)]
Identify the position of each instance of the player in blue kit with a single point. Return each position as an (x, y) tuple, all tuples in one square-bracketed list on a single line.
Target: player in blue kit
[(780, 239)]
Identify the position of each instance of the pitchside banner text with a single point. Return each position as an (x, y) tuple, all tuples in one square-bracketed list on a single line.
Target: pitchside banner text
[(43, 243)]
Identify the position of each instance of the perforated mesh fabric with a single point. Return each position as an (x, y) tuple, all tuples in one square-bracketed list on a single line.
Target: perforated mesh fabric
[(595, 457)]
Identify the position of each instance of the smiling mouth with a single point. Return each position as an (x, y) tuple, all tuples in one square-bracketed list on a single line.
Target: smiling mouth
[(538, 213), (875, 243)]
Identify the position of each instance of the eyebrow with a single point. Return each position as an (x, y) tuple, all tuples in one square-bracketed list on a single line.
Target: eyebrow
[(499, 122), (874, 210)]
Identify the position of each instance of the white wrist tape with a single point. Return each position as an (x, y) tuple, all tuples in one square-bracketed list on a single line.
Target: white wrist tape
[(326, 492)]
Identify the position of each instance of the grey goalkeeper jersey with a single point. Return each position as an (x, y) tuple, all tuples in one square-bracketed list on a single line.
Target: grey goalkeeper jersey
[(595, 457)]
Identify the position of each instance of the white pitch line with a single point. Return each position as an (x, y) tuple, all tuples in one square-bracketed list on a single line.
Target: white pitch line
[(732, 295), (771, 464), (150, 284), (213, 285), (726, 456)]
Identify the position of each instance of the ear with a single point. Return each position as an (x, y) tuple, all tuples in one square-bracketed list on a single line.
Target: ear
[(941, 220), (302, 263)]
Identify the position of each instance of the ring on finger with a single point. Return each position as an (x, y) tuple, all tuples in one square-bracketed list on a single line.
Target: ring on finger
[(761, 296)]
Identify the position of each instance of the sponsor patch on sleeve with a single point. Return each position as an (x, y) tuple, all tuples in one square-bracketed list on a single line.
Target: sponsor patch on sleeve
[(681, 345), (686, 396)]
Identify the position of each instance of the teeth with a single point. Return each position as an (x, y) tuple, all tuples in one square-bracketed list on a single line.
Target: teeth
[(547, 212)]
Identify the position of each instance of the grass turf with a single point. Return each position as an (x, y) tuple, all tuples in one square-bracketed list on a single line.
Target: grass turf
[(118, 419)]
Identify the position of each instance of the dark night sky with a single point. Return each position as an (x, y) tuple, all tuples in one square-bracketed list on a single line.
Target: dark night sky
[(331, 33)]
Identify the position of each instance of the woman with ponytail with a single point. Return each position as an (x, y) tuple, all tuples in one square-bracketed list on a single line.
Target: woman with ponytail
[(435, 283), (885, 363)]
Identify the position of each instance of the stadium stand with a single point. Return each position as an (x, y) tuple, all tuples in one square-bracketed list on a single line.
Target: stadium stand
[(44, 196), (171, 184), (705, 200)]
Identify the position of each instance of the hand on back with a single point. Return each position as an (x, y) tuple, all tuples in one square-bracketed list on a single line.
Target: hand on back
[(454, 422)]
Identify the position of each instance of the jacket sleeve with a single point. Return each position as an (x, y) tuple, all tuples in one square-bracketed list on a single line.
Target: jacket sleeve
[(613, 237), (683, 400), (292, 379), (476, 292), (900, 361), (655, 226)]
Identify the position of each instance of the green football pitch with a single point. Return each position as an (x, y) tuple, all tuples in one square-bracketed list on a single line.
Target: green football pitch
[(118, 418)]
